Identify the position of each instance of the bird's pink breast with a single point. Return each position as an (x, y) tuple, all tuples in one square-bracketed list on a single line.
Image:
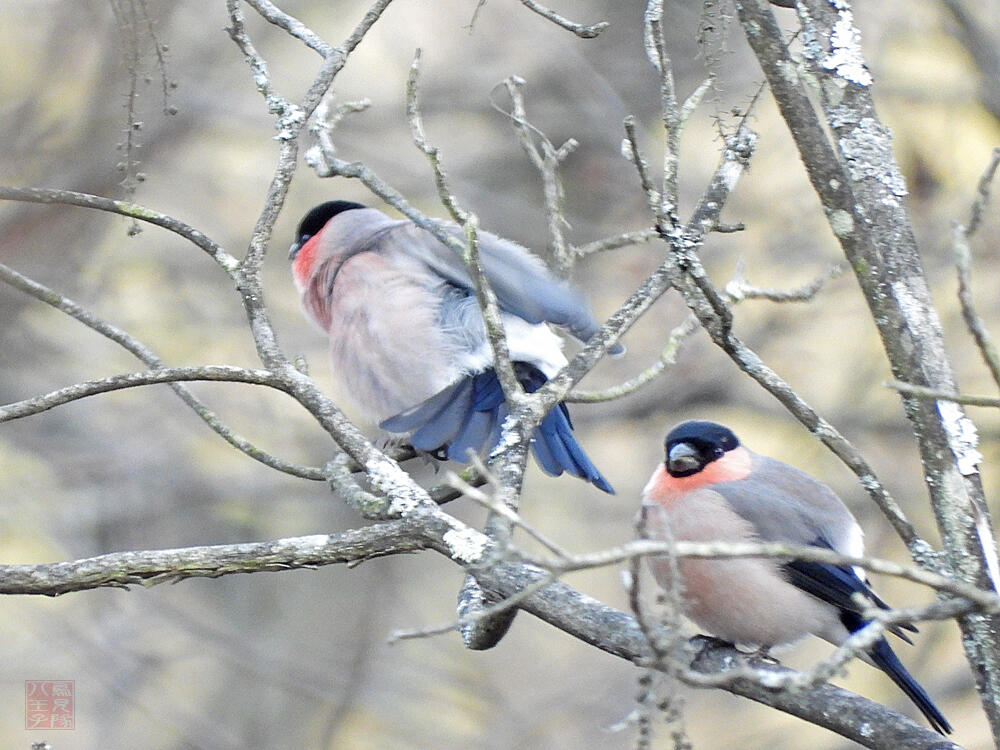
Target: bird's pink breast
[(734, 465), (742, 600)]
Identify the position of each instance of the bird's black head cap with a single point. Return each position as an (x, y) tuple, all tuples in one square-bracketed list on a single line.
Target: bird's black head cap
[(316, 219), (691, 446)]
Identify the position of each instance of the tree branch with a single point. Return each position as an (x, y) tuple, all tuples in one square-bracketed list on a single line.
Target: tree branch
[(865, 722), (929, 393), (75, 392), (272, 14), (852, 716), (123, 208), (399, 495), (546, 159), (960, 246), (146, 355), (151, 567), (736, 291), (859, 185), (581, 30), (626, 239)]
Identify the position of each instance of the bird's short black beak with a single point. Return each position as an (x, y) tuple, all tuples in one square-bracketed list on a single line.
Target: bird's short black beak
[(683, 459), (294, 249)]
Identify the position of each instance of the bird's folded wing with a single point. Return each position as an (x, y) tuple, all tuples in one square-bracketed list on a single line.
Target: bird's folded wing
[(522, 283), (838, 585)]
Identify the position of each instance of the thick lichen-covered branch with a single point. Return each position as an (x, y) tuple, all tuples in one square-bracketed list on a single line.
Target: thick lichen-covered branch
[(532, 587), (848, 156)]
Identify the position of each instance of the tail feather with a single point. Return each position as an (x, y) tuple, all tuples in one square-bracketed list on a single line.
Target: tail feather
[(481, 421), (543, 455), (417, 416), (470, 414), (472, 434), (487, 391), (557, 435), (442, 427), (494, 437), (884, 657), (548, 432)]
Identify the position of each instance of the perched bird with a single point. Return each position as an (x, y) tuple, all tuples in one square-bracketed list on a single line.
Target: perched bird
[(407, 336), (710, 488)]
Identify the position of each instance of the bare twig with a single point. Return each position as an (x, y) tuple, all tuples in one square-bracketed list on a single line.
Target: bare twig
[(324, 121), (983, 193), (668, 603), (981, 599), (930, 393), (656, 50), (668, 357), (75, 392), (474, 616), (581, 30), (731, 166), (445, 493), (647, 694), (736, 290), (491, 316), (739, 288), (70, 198), (495, 505), (960, 247), (273, 14), (630, 150), (480, 630), (619, 241), (433, 153), (546, 158), (143, 353), (470, 249)]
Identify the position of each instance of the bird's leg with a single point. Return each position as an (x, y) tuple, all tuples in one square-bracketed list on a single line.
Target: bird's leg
[(702, 646), (390, 443), (762, 654)]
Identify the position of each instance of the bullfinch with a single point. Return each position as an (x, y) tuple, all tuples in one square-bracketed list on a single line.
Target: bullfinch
[(407, 337), (710, 488)]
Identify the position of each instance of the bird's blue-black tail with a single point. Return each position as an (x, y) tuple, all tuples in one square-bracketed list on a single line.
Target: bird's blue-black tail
[(884, 657), (555, 446), (840, 586), (470, 415)]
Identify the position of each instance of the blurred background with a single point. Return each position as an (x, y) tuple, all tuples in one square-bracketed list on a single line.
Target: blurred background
[(300, 659)]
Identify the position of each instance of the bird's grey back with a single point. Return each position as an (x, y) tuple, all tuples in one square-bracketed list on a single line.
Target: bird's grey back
[(524, 286), (787, 505)]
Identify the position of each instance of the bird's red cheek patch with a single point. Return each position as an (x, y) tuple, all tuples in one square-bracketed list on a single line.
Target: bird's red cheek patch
[(733, 466), (305, 259)]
